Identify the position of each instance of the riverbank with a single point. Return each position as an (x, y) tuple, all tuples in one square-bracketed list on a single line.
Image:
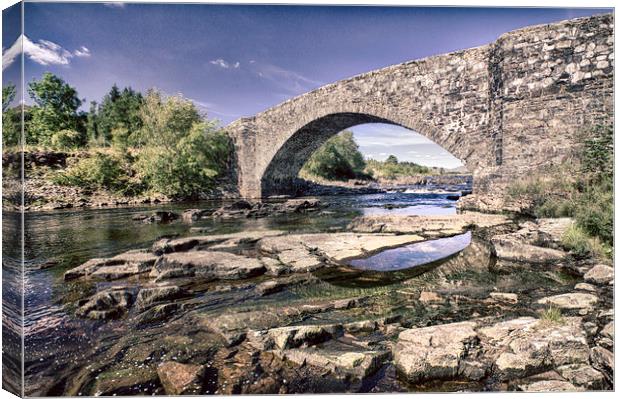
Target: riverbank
[(271, 310), (43, 193)]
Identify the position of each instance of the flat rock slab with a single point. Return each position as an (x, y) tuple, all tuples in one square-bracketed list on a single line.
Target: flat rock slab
[(166, 245), (433, 226), (296, 336), (119, 266), (572, 300), (108, 304), (550, 386), (304, 252), (206, 265)]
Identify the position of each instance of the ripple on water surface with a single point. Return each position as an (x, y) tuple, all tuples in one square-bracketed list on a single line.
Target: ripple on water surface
[(412, 255)]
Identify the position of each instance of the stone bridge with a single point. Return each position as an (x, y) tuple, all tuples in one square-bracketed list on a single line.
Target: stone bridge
[(505, 109)]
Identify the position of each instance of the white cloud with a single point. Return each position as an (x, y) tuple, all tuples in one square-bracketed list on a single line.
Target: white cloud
[(225, 64), (116, 4), (287, 80), (43, 52), (82, 52)]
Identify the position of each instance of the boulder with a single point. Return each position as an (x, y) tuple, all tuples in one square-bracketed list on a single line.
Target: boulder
[(600, 275), (436, 352), (603, 360), (191, 215), (585, 287), (571, 300), (181, 379), (107, 304), (206, 265), (525, 346), (512, 249)]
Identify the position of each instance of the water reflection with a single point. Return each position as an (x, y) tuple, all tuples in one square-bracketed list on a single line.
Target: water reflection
[(413, 255)]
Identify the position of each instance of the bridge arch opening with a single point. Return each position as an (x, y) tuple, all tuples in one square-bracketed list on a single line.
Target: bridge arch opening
[(281, 176)]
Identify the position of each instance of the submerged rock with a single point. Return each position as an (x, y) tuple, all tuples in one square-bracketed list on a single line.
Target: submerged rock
[(107, 304), (181, 379), (149, 296)]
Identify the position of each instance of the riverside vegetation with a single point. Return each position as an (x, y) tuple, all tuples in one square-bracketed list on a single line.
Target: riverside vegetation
[(128, 145)]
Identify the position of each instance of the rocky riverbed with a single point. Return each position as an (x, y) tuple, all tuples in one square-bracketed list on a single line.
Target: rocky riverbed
[(275, 311)]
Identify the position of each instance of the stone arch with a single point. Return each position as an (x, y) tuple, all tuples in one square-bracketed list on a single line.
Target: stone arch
[(280, 175)]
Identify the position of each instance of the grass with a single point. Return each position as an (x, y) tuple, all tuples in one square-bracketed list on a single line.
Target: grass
[(552, 315), (580, 244)]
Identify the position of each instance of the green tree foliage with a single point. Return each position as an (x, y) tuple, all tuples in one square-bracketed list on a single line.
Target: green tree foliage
[(581, 189), (119, 109), (92, 131), (391, 169), (107, 171), (67, 140), (338, 158), (391, 160), (11, 117), (181, 155), (56, 109)]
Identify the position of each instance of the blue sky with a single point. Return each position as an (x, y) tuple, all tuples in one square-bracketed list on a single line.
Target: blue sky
[(236, 61)]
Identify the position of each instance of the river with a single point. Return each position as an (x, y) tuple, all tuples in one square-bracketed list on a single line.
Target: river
[(60, 347)]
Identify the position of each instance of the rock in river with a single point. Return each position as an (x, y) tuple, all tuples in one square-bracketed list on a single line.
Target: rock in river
[(107, 304), (206, 265), (181, 379), (435, 352)]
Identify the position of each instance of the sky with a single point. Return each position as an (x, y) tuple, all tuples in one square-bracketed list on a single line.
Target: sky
[(235, 61)]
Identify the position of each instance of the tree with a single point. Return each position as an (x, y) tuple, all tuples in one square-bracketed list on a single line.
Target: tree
[(92, 131), (181, 155), (338, 159), (8, 95), (11, 117), (119, 110), (391, 160), (56, 108)]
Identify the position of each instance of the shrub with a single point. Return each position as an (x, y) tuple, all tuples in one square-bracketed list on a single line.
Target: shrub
[(100, 171), (67, 140)]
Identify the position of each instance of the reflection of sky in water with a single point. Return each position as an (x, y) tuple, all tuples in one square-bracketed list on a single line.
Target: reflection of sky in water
[(413, 255), (411, 210)]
